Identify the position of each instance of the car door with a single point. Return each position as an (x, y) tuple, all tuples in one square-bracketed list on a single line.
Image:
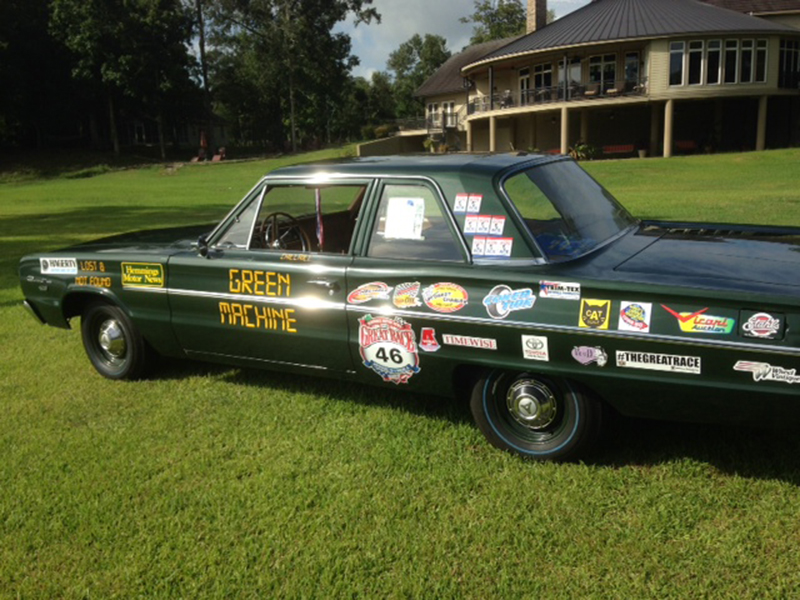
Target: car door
[(270, 286)]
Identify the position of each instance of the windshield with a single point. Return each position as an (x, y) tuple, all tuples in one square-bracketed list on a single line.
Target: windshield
[(567, 211)]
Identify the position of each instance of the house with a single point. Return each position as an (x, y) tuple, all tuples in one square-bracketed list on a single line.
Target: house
[(661, 76)]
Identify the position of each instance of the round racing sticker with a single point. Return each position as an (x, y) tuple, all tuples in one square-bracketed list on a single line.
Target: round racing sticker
[(388, 346), (445, 297)]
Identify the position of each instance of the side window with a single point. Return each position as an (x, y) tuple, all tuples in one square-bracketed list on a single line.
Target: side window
[(297, 218), (410, 225)]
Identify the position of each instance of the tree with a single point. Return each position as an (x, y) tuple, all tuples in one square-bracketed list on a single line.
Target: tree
[(293, 41), (496, 19), (411, 64)]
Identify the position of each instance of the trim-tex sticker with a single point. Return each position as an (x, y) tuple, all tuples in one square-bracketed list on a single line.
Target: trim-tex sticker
[(374, 290), (560, 290), (635, 316), (147, 275), (388, 346), (595, 314), (445, 297), (767, 372), (58, 266), (586, 355), (534, 347), (502, 300), (469, 342), (659, 362)]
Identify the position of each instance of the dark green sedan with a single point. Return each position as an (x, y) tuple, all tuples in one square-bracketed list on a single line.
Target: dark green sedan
[(515, 281)]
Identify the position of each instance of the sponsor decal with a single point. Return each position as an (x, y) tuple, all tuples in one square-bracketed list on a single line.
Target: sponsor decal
[(388, 346), (659, 362), (369, 291), (586, 355), (445, 297), (460, 205), (492, 246), (559, 290), (767, 372), (469, 342), (474, 203), (595, 314), (635, 316), (534, 347), (58, 266), (700, 322), (145, 275), (428, 341), (406, 295), (763, 326), (502, 300)]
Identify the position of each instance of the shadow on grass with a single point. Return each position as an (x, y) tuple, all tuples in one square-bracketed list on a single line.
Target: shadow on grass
[(732, 449)]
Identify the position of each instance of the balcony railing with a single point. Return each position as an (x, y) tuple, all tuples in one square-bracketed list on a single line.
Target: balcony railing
[(441, 121), (559, 93)]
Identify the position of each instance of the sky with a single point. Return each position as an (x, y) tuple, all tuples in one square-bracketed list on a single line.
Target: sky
[(401, 19)]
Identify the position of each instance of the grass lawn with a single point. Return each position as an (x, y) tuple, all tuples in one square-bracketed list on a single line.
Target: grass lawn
[(217, 482)]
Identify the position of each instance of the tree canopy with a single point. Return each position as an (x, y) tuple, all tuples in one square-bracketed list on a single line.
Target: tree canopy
[(411, 64)]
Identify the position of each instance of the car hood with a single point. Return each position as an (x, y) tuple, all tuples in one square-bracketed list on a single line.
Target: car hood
[(151, 240), (716, 255)]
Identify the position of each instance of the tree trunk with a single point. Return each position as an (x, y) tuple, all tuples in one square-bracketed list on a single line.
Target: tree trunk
[(160, 123), (291, 112), (94, 135), (201, 42), (112, 124)]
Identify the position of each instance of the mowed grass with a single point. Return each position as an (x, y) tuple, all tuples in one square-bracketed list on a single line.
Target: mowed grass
[(209, 481)]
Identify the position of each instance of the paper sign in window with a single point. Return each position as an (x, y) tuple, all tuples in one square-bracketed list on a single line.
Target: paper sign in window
[(404, 219)]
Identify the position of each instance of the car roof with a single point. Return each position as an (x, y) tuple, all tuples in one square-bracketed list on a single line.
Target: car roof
[(423, 164)]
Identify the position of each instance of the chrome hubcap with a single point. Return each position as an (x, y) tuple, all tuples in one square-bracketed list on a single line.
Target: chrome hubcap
[(112, 339), (532, 404)]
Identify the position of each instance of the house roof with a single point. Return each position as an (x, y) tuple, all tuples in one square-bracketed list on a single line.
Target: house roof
[(447, 79), (758, 7), (613, 20)]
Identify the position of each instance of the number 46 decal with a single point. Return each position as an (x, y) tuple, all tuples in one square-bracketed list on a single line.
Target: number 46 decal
[(388, 346)]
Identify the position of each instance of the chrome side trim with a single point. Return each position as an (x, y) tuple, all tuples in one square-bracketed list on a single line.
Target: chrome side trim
[(264, 360), (309, 302)]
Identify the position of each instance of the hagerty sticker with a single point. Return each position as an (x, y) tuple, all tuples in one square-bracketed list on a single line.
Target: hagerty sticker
[(767, 372), (659, 362), (58, 266), (388, 346)]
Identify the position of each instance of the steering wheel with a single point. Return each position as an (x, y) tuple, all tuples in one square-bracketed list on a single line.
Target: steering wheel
[(281, 231)]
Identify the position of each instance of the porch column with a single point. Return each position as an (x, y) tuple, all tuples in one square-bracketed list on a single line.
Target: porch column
[(564, 130), (585, 125), (492, 134), (669, 110), (469, 136), (655, 121), (761, 131)]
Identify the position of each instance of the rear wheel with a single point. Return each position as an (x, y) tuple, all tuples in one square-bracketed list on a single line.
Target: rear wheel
[(540, 418), (113, 343)]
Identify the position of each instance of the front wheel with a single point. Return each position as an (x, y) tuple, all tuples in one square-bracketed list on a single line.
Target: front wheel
[(535, 417), (113, 343)]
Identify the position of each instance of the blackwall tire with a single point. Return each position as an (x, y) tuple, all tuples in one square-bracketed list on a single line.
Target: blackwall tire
[(539, 418), (113, 344)]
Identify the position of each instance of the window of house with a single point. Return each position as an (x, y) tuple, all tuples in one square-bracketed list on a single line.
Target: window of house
[(789, 64), (411, 225), (731, 61), (695, 62), (449, 110), (676, 63), (603, 71), (632, 67), (761, 61), (524, 85), (543, 76), (713, 61), (434, 118), (746, 62)]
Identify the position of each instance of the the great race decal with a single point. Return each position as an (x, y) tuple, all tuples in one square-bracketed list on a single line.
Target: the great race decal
[(388, 346)]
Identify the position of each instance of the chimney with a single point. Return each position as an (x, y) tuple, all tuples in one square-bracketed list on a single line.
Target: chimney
[(537, 15)]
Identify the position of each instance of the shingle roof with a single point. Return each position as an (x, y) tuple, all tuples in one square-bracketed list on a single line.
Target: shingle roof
[(447, 78), (612, 20), (758, 7)]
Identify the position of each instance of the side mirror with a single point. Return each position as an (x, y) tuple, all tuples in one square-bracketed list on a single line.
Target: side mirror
[(202, 246)]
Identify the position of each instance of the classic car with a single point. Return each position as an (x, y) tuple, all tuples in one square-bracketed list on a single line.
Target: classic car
[(516, 281)]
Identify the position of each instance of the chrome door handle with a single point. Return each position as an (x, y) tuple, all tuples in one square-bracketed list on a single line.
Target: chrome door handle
[(331, 286)]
